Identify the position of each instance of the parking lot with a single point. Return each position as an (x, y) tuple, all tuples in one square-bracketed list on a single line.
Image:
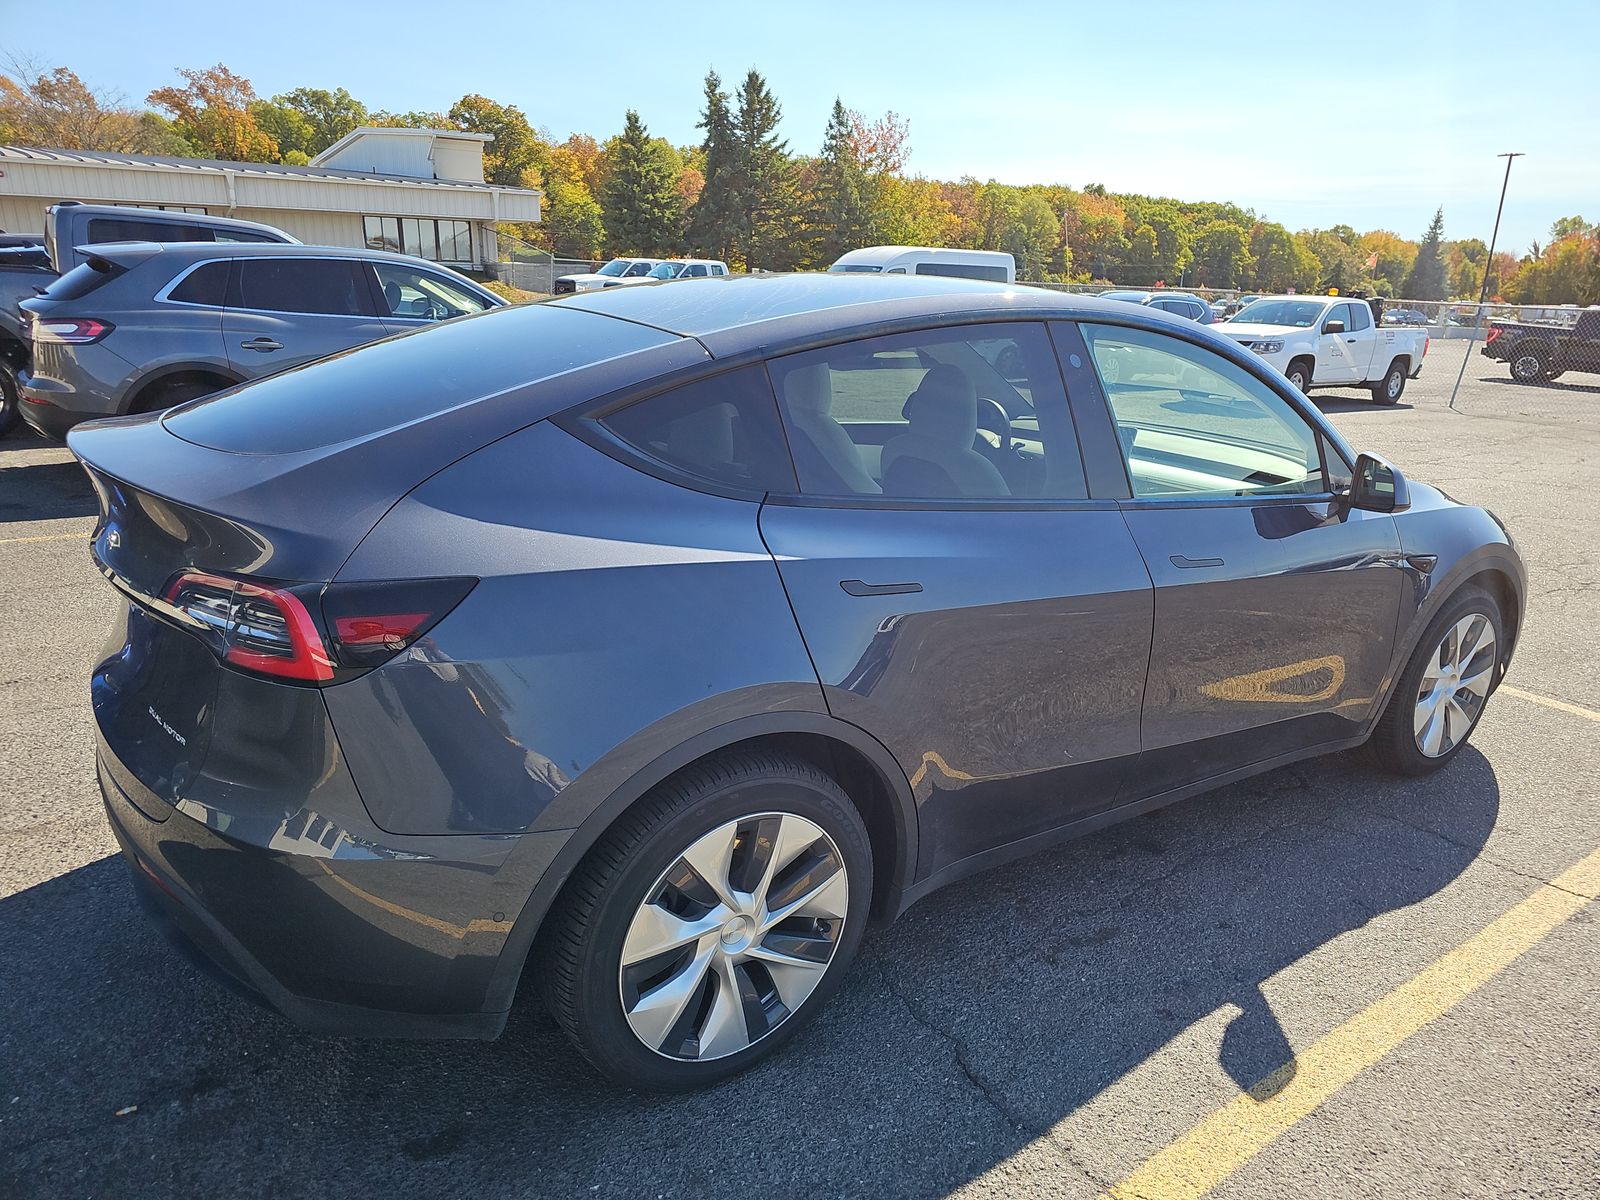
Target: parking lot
[(1055, 1027)]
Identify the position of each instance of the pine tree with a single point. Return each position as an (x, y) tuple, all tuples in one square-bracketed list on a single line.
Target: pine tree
[(763, 196), (839, 205), (1427, 278), (710, 222), (642, 208)]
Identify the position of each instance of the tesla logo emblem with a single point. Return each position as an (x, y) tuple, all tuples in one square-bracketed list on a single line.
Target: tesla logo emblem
[(114, 539)]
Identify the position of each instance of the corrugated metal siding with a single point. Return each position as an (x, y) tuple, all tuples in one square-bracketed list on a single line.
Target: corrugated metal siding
[(19, 214), (313, 228)]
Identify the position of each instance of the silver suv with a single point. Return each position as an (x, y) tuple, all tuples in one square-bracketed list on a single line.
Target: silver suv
[(141, 326)]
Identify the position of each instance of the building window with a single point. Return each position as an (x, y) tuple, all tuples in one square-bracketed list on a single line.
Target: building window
[(440, 241)]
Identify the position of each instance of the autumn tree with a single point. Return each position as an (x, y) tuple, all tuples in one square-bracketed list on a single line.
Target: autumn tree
[(574, 225), (213, 114), (1426, 279), (642, 209), (55, 109), (518, 155)]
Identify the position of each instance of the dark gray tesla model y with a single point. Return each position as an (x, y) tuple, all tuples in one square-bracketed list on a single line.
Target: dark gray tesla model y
[(646, 645)]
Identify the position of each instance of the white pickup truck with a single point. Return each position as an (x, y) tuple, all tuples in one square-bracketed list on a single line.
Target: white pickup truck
[(1330, 341)]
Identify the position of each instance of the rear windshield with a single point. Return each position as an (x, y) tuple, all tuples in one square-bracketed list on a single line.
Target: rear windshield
[(404, 379), (83, 279)]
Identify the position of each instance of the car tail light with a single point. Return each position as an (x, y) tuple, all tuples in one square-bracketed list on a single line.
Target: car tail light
[(273, 629), (1494, 332), (74, 331), (267, 630), (1426, 342), (370, 623)]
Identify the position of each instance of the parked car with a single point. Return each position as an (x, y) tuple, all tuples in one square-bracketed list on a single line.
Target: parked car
[(927, 260), (1404, 316), (687, 268), (70, 231), (1181, 303), (141, 326), (1540, 353), (618, 270), (1331, 341), (643, 646)]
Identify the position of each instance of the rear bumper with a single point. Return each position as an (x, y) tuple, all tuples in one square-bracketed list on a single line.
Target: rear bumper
[(294, 931), (39, 407)]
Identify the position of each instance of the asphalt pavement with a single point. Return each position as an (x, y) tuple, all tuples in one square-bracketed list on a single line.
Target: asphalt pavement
[(1042, 1029)]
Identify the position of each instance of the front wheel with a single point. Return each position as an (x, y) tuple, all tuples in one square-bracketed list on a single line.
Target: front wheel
[(1437, 702), (711, 923), (1389, 389), (1299, 374)]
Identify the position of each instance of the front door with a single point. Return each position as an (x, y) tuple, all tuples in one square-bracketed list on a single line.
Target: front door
[(1276, 606), (285, 311), (961, 599), (1334, 362)]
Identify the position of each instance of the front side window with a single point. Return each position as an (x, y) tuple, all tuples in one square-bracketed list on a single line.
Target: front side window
[(971, 413), (723, 429), (408, 292), (325, 286), (637, 269), (1193, 424), (665, 270), (1339, 312), (696, 271)]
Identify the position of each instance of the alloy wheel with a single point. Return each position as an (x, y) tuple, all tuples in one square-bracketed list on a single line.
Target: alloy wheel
[(1527, 367), (1454, 686), (734, 936)]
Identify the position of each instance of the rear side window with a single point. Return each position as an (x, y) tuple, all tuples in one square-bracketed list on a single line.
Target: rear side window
[(387, 384), (206, 284), (83, 279), (1360, 317), (242, 235), (126, 229), (962, 271), (724, 430), (335, 287)]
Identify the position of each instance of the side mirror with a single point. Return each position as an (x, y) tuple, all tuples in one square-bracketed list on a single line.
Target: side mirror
[(1378, 486), (1333, 326)]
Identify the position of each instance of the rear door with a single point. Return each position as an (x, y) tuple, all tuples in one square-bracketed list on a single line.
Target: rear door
[(961, 598), (285, 311), (1275, 605)]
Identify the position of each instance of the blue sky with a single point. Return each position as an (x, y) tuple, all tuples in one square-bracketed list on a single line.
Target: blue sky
[(1312, 114)]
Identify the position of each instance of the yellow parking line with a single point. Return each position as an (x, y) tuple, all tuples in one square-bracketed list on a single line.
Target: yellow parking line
[(47, 537), (1550, 702), (1218, 1146)]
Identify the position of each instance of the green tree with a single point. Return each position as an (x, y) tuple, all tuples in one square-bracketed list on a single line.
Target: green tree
[(309, 120), (839, 205), (574, 225), (642, 209), (518, 156), (1566, 227), (213, 115), (711, 219), (1033, 238), (1426, 280), (763, 180), (1222, 254)]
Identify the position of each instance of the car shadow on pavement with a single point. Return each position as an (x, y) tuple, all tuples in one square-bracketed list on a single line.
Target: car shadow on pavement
[(44, 491), (991, 1011), (1331, 403), (1548, 385)]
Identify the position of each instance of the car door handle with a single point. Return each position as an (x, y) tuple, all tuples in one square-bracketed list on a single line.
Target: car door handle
[(857, 588), (1184, 561), (1352, 341), (264, 344)]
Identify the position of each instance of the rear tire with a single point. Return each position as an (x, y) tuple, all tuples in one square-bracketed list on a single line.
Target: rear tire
[(1299, 374), (165, 396), (10, 399), (660, 950), (1392, 386), (1528, 365), (1440, 696)]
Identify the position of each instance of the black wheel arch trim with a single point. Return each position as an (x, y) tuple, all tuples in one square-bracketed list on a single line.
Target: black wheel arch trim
[(524, 933), (138, 385)]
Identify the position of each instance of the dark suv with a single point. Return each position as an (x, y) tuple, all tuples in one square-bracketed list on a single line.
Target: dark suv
[(656, 639), (141, 326)]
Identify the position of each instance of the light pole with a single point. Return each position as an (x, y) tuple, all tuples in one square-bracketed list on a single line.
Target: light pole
[(1483, 293)]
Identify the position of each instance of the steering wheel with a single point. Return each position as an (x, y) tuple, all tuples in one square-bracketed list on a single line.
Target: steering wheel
[(992, 419)]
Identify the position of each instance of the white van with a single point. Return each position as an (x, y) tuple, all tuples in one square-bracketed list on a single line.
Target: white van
[(928, 260)]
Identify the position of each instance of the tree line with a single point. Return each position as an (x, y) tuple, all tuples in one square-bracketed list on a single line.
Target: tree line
[(743, 195)]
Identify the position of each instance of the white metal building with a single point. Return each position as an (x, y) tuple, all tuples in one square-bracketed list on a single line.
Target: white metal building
[(419, 191)]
